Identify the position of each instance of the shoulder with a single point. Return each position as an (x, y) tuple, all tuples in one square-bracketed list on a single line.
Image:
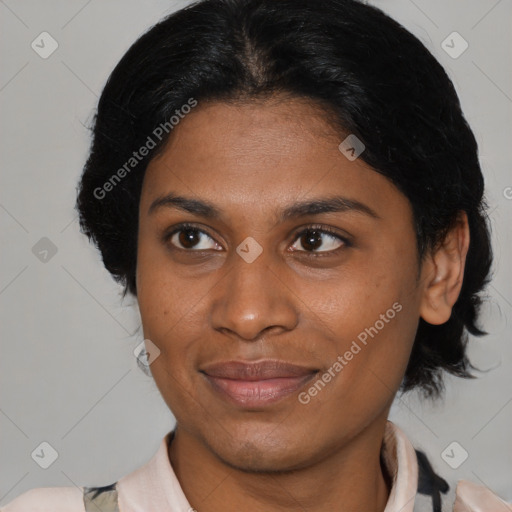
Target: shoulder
[(470, 496), (435, 493), (48, 499)]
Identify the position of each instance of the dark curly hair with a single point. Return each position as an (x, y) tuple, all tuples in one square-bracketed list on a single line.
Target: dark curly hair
[(367, 72)]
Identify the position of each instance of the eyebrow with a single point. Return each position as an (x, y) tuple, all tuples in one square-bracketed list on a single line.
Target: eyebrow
[(299, 209)]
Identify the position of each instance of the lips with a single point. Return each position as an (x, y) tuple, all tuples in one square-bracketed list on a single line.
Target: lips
[(256, 384)]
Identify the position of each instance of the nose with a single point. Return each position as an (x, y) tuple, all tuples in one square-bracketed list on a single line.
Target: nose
[(253, 298)]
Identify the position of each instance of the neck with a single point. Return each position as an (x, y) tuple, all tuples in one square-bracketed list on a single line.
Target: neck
[(350, 478)]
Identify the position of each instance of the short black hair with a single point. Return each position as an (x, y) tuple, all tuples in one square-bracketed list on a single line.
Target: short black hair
[(366, 70)]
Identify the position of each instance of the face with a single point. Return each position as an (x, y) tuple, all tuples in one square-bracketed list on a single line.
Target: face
[(278, 279)]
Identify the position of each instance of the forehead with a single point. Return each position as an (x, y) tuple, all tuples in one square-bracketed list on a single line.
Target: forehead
[(261, 155), (261, 131)]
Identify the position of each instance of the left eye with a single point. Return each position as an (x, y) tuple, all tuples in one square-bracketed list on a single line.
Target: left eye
[(313, 239)]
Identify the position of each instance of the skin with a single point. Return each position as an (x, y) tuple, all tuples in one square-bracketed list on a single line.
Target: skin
[(204, 306)]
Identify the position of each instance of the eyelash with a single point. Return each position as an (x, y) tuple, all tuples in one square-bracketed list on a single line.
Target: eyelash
[(315, 227)]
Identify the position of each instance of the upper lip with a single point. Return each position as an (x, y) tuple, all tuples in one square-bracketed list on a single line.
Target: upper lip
[(257, 370)]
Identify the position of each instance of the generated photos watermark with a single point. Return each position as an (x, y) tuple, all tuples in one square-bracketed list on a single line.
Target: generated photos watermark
[(151, 142), (343, 360)]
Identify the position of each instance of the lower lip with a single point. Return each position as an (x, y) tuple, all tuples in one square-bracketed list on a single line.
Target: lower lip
[(257, 393)]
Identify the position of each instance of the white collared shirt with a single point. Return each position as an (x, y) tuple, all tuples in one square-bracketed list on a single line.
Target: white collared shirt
[(154, 487)]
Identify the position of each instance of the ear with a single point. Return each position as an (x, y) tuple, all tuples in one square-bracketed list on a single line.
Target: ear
[(443, 272)]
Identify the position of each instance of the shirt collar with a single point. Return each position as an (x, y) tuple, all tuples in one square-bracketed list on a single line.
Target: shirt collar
[(401, 464), (155, 486)]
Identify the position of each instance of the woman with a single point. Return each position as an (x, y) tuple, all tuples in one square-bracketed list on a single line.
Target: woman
[(292, 193)]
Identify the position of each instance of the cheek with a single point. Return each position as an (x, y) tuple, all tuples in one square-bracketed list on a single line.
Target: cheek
[(167, 315), (172, 307), (370, 315), (158, 287), (365, 366), (355, 298)]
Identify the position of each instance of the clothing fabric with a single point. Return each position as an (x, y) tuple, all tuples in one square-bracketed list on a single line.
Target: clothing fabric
[(154, 487)]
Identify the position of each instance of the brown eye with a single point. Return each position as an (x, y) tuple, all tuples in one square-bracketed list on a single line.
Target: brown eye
[(192, 239), (188, 238), (318, 240), (311, 240)]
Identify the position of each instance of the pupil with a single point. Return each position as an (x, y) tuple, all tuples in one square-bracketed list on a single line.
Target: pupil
[(313, 239), (189, 237)]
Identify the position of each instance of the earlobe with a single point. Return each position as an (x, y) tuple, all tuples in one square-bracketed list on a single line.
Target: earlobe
[(443, 273)]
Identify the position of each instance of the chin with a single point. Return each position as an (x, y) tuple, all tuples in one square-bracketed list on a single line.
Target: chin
[(261, 454), (251, 459)]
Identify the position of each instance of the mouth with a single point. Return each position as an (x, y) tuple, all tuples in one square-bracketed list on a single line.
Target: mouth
[(256, 384)]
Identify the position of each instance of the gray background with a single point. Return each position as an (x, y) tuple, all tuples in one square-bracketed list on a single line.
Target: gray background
[(68, 373)]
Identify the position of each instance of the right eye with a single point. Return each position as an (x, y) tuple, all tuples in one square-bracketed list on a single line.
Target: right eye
[(191, 238)]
